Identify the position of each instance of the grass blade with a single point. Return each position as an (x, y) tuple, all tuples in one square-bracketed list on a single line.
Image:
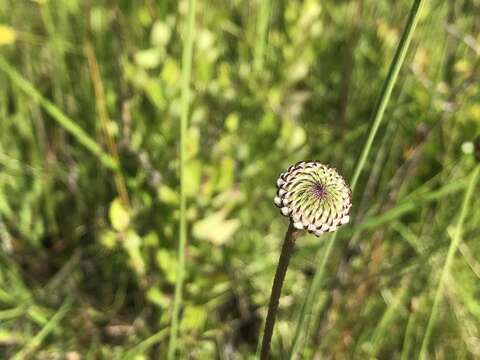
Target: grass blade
[(408, 337), (448, 262), (63, 120), (37, 340), (145, 345), (390, 81), (186, 75), (303, 323), (261, 39), (103, 116), (407, 206)]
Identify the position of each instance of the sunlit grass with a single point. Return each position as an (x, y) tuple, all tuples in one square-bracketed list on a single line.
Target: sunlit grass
[(304, 321), (452, 249), (96, 100)]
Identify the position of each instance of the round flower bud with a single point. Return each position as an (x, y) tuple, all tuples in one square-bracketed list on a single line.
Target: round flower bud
[(314, 196)]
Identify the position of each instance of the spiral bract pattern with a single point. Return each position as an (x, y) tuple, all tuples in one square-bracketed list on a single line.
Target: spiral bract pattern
[(314, 196)]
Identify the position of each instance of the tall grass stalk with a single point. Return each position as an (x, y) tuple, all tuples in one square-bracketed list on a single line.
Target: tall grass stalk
[(304, 320), (187, 55), (104, 118), (448, 262), (408, 337), (261, 34), (63, 120)]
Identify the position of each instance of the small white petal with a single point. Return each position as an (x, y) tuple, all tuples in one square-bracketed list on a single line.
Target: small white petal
[(277, 201), (333, 228), (325, 227), (298, 225), (345, 219), (285, 211), (281, 192), (280, 182), (312, 227)]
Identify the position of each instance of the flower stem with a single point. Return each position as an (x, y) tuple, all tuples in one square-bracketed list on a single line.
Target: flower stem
[(287, 248)]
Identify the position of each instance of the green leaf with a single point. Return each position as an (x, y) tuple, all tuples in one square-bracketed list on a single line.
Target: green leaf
[(119, 217), (161, 33), (167, 263), (155, 296), (168, 195), (194, 318), (132, 243), (292, 137), (108, 238), (215, 228), (171, 73), (149, 58), (226, 174), (192, 177)]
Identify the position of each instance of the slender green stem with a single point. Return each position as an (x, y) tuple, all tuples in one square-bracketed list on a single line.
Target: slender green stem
[(304, 320), (448, 262), (143, 346), (408, 337), (282, 266), (186, 76), (261, 39)]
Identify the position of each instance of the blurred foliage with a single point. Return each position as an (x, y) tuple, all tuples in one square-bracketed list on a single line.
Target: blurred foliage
[(88, 272)]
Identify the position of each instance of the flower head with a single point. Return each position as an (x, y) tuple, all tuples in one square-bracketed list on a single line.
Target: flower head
[(314, 196)]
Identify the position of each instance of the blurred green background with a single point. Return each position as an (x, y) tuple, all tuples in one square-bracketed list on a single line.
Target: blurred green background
[(88, 255)]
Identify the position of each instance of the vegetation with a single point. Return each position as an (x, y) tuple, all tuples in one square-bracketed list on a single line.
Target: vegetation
[(102, 124)]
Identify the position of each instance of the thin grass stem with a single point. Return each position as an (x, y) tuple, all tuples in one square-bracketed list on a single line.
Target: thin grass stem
[(304, 320), (143, 346), (261, 38), (104, 118), (408, 337), (185, 103), (448, 262)]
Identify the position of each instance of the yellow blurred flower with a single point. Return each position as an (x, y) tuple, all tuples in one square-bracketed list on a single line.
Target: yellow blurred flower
[(7, 35)]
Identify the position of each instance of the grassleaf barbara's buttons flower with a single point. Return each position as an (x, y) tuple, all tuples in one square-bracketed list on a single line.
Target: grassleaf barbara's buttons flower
[(314, 196)]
